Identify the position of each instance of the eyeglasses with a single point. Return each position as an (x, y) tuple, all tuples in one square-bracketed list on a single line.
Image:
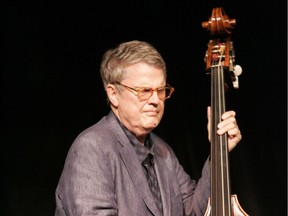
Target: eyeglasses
[(145, 93)]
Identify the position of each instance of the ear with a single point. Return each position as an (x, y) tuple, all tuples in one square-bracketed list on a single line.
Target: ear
[(112, 94)]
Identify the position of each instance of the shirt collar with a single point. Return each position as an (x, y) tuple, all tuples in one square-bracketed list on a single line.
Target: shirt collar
[(141, 150)]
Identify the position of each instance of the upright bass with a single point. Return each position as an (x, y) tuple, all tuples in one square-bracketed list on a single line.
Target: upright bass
[(220, 64)]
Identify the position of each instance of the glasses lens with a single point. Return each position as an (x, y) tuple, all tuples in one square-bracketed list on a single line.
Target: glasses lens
[(167, 92), (145, 93), (161, 93)]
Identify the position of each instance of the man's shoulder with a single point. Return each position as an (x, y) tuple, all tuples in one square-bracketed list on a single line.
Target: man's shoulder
[(105, 130), (160, 144), (105, 125)]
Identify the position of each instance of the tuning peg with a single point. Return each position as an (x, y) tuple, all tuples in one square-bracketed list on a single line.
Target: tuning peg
[(237, 70)]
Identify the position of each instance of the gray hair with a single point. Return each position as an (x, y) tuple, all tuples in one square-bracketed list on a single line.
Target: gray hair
[(115, 60)]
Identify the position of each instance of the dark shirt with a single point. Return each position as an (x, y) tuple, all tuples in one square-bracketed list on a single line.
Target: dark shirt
[(145, 154), (141, 150)]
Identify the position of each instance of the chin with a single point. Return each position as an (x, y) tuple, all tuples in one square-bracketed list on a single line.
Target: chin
[(150, 125), (153, 125)]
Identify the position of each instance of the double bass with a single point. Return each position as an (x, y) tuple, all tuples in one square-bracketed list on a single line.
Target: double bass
[(220, 65)]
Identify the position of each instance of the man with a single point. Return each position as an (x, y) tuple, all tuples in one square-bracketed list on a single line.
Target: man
[(119, 166)]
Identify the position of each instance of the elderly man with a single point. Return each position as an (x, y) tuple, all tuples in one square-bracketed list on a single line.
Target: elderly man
[(119, 166)]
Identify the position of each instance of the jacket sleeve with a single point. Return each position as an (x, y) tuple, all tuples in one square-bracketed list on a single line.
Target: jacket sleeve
[(195, 193), (85, 186)]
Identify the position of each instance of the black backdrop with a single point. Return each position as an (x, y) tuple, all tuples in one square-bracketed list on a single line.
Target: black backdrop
[(51, 91)]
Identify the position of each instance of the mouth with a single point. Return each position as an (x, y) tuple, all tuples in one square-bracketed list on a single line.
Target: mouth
[(152, 113)]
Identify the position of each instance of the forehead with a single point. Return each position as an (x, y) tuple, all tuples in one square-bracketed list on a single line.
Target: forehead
[(142, 73)]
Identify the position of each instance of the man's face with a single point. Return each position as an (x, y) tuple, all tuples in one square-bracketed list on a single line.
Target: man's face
[(140, 116)]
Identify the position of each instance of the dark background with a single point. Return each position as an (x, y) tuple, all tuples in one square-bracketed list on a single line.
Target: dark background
[(51, 90)]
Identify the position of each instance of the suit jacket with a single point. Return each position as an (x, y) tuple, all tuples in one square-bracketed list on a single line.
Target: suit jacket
[(102, 175)]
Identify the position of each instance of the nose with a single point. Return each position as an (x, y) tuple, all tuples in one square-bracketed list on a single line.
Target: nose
[(154, 99)]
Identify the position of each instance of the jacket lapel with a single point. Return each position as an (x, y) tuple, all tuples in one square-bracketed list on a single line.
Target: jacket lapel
[(138, 177), (135, 169), (163, 179), (162, 174)]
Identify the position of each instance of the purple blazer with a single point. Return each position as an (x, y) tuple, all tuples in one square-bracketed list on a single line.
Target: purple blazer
[(102, 175)]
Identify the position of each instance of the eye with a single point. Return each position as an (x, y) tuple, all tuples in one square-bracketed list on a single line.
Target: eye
[(146, 90), (163, 89)]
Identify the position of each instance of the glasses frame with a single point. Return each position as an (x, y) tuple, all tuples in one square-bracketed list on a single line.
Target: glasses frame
[(144, 89)]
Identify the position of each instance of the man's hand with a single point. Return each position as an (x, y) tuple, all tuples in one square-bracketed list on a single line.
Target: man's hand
[(227, 125)]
